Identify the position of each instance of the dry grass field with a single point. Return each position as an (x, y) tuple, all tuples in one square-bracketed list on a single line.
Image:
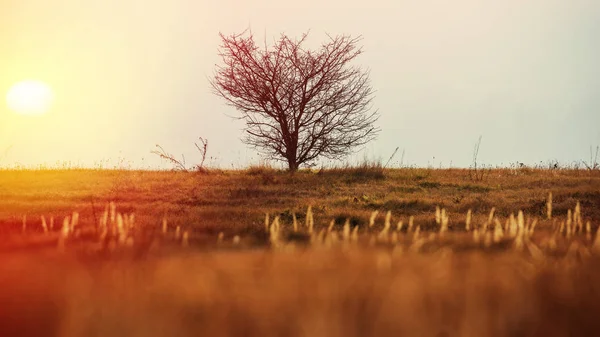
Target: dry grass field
[(402, 252)]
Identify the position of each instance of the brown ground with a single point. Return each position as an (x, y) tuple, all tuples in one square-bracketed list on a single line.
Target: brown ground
[(235, 202), (546, 283)]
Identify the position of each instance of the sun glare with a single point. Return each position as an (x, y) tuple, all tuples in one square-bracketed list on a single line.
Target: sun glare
[(29, 97)]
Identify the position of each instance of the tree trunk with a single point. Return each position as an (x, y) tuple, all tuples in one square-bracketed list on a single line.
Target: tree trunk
[(292, 165)]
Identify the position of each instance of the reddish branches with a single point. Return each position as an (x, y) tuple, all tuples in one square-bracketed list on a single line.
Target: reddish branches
[(298, 104)]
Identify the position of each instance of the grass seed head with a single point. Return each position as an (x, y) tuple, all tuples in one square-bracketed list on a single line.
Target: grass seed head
[(309, 217), (354, 235), (468, 220), (491, 216), (596, 244), (113, 211), (310, 222), (476, 237), (44, 225), (74, 220), (164, 225), (346, 231), (549, 206), (488, 239), (521, 220), (399, 226), (104, 220), (321, 236), (185, 239), (532, 227), (372, 218), (388, 217), (330, 227), (294, 222), (267, 222), (394, 239), (417, 233), (513, 227), (498, 232)]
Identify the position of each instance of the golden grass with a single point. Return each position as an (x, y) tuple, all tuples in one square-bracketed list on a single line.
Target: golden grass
[(174, 254)]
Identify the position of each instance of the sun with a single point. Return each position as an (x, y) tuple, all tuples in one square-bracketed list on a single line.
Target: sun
[(29, 97)]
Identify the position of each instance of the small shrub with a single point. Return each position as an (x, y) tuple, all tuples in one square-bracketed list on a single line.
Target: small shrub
[(367, 170), (430, 184)]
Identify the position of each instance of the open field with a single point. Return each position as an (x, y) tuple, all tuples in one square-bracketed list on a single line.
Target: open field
[(186, 254)]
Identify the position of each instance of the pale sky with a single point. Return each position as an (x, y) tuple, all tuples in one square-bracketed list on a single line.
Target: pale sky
[(523, 74)]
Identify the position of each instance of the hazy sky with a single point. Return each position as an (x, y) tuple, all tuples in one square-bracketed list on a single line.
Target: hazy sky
[(524, 74)]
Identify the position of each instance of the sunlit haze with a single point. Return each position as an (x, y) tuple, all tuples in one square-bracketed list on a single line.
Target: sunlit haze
[(127, 75), (29, 97)]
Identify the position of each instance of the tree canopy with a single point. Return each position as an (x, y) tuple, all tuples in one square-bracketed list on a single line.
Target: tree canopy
[(298, 104)]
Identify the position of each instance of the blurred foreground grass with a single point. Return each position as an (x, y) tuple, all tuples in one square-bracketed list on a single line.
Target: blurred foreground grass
[(182, 254)]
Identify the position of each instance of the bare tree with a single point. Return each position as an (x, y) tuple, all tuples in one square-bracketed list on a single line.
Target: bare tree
[(298, 104)]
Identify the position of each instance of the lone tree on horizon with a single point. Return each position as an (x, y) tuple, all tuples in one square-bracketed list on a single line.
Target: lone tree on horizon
[(298, 104)]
